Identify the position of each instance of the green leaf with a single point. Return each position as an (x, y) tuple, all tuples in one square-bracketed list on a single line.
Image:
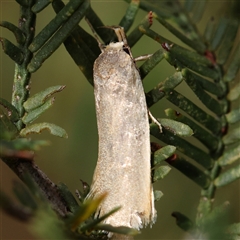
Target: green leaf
[(198, 10), (20, 148), (208, 33), (232, 136), (162, 154), (149, 64), (234, 92), (19, 212), (38, 99), (26, 144), (183, 146), (234, 228), (157, 195), (12, 51), (58, 38), (189, 56), (40, 5), (188, 5), (214, 225), (39, 127), (129, 16), (121, 230), (19, 35), (160, 173), (71, 202), (82, 47), (93, 224), (156, 37), (181, 61), (227, 43), (104, 33), (80, 36), (204, 208), (193, 43), (228, 176), (54, 24), (8, 130), (12, 111), (34, 114), (81, 51), (83, 194), (231, 155), (205, 137), (46, 225), (234, 66), (183, 222), (216, 106), (199, 115), (191, 171), (136, 33), (86, 189), (233, 116), (24, 196), (159, 91), (85, 211), (219, 33), (215, 88), (23, 3), (162, 8), (177, 128)]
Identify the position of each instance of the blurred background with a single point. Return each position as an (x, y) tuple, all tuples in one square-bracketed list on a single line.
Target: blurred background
[(72, 159)]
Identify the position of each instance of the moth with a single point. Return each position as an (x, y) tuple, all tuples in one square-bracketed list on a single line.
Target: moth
[(123, 169)]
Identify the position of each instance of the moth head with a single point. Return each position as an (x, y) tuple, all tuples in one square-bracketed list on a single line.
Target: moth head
[(117, 45)]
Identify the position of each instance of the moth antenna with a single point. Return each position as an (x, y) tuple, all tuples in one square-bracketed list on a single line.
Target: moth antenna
[(101, 46)]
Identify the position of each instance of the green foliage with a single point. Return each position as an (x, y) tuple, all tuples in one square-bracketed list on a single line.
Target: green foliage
[(20, 147), (208, 65), (39, 127)]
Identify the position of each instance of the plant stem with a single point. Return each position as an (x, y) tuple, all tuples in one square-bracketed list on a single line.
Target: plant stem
[(22, 76)]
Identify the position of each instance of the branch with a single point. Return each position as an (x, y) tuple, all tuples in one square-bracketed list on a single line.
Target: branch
[(47, 187)]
